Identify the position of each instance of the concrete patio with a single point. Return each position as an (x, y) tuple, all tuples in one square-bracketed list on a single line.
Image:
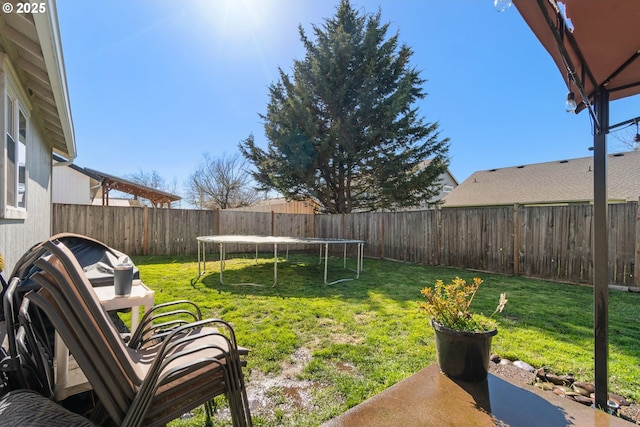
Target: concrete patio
[(429, 398)]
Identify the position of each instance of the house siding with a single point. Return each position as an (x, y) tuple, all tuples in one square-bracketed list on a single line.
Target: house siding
[(18, 235), (31, 54), (70, 186), (445, 179)]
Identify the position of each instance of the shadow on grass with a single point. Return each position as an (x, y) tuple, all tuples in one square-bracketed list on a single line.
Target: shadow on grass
[(559, 311), (542, 318), (302, 276)]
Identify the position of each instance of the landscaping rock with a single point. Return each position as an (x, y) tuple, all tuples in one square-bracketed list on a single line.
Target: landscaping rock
[(557, 380), (581, 391), (563, 389), (618, 405), (544, 386), (621, 401), (583, 399), (494, 358), (524, 365), (586, 386), (568, 379)]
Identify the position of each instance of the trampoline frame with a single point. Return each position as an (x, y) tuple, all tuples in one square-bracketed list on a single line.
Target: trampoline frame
[(223, 240)]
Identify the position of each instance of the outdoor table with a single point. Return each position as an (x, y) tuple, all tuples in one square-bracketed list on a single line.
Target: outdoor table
[(69, 379)]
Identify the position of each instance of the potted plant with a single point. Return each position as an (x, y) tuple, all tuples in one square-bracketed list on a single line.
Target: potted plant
[(463, 339)]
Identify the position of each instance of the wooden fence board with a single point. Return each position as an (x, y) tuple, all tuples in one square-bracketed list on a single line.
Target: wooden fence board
[(551, 242)]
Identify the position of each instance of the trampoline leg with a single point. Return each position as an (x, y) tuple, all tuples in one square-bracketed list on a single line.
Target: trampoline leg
[(359, 258), (326, 258), (199, 270), (275, 264), (221, 262), (344, 257)]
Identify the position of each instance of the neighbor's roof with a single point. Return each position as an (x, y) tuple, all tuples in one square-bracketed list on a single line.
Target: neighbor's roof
[(130, 187), (32, 42), (80, 169), (563, 181)]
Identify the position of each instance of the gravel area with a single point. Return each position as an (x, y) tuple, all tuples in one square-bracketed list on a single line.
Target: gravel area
[(515, 374)]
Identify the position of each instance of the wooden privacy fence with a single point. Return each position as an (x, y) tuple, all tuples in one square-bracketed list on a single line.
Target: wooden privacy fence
[(552, 242), (148, 231)]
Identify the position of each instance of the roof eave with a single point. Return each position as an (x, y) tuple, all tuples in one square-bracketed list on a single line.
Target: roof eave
[(49, 37)]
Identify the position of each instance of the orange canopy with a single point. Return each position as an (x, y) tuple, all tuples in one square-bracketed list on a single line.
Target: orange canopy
[(594, 43)]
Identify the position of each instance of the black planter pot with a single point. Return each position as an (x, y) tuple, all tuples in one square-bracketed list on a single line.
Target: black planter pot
[(463, 355)]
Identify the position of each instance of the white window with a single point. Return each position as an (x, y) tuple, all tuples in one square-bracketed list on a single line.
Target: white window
[(16, 155), (15, 185), (447, 188)]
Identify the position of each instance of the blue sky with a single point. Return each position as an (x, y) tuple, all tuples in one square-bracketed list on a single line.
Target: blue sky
[(154, 84)]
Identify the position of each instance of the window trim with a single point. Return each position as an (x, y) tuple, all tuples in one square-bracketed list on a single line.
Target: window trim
[(11, 89)]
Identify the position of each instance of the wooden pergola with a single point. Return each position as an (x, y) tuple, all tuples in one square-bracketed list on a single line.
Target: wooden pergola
[(596, 46), (157, 197)]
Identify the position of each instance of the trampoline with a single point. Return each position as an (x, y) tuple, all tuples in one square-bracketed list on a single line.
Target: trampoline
[(276, 241)]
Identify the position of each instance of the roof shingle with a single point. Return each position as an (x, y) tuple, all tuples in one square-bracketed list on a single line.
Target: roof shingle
[(557, 182)]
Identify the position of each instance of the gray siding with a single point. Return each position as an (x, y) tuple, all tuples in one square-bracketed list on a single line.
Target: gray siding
[(17, 236), (70, 186)]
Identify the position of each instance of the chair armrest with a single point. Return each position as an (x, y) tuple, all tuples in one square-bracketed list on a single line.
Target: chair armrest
[(188, 309), (157, 307), (172, 348)]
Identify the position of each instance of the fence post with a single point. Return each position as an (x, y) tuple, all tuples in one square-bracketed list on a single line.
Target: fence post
[(273, 224), (636, 258), (516, 239), (315, 229), (145, 230), (436, 225), (382, 235)]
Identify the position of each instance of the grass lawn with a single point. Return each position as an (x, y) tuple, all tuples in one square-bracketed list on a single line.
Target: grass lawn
[(368, 334)]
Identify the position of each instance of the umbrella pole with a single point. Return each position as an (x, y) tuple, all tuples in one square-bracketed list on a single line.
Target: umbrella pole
[(600, 248)]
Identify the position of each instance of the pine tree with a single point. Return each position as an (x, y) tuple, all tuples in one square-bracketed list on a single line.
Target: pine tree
[(344, 129)]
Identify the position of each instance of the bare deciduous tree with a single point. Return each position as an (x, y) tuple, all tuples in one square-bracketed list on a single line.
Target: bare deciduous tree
[(222, 183), (629, 138), (153, 180)]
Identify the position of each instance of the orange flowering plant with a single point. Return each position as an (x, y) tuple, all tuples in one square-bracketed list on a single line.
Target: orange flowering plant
[(449, 305)]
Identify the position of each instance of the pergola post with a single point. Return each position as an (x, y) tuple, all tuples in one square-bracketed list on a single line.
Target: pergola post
[(601, 248)]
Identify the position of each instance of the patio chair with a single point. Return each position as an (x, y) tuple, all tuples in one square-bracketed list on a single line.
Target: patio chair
[(20, 408), (151, 385), (67, 259), (36, 359), (170, 315), (179, 312), (24, 364), (105, 378)]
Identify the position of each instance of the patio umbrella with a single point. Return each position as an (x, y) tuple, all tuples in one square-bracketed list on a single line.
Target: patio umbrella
[(596, 47)]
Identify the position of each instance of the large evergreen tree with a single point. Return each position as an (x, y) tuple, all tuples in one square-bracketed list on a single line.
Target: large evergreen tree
[(344, 128)]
